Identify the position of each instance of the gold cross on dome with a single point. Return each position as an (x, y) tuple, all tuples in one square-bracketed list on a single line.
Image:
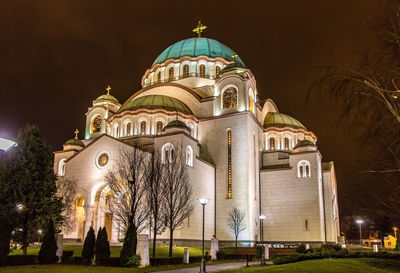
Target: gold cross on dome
[(76, 133), (199, 29), (108, 89), (234, 56)]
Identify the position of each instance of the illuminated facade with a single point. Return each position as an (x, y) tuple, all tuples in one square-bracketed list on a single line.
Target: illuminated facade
[(241, 152)]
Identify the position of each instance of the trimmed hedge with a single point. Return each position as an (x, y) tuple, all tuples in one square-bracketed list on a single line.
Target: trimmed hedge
[(108, 261), (335, 254), (175, 260), (22, 259)]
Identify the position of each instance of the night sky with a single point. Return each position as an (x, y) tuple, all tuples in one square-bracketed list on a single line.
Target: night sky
[(56, 57)]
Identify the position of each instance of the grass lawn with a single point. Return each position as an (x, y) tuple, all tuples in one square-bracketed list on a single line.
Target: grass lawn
[(161, 251), (349, 265)]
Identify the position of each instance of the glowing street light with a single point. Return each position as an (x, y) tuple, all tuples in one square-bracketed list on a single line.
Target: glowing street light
[(6, 144), (262, 218), (20, 207), (203, 202), (395, 232), (360, 222)]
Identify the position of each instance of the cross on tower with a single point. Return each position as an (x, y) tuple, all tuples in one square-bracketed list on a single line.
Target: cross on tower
[(199, 29), (108, 89), (76, 133), (234, 56)]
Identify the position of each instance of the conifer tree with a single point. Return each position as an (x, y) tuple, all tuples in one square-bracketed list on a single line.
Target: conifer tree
[(34, 181), (88, 246), (129, 247), (102, 246), (48, 250)]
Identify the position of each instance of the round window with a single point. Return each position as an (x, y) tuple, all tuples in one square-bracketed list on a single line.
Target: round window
[(102, 159)]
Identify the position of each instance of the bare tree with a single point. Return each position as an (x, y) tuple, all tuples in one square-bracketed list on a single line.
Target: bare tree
[(236, 222), (66, 191), (156, 198), (178, 192), (127, 181)]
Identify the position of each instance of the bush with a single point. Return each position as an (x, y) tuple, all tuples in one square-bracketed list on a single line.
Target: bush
[(175, 260), (133, 261), (102, 246), (67, 254), (107, 261), (128, 250), (221, 255), (48, 250), (301, 249), (88, 245), (22, 260)]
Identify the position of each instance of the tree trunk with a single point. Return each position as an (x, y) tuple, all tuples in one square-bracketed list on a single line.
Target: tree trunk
[(25, 237), (171, 235), (236, 247), (154, 238)]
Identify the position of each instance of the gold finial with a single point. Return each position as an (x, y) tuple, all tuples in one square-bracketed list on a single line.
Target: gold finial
[(76, 133), (234, 56), (199, 29), (108, 89)]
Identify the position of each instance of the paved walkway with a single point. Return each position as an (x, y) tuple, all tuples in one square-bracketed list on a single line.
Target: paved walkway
[(211, 268)]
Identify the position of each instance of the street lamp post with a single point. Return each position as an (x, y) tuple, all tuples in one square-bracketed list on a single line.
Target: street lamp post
[(395, 232), (359, 222), (262, 218), (203, 202)]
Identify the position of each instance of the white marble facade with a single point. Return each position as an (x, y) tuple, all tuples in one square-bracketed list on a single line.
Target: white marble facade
[(241, 152)]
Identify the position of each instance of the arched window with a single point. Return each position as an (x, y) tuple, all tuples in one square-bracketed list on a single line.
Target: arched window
[(189, 156), (202, 71), (159, 77), (167, 152), (303, 169), (192, 130), (229, 140), (61, 167), (159, 127), (217, 70), (186, 71), (171, 74), (96, 124), (116, 130), (251, 103), (272, 143), (229, 98), (128, 128), (143, 127), (286, 143)]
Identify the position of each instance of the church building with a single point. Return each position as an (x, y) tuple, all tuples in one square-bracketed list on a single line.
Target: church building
[(198, 96)]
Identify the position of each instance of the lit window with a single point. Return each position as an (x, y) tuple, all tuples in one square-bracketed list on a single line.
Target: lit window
[(189, 156), (303, 169), (159, 127), (229, 192), (217, 70), (167, 152), (171, 74), (186, 71), (61, 167), (286, 143), (272, 143), (229, 98), (251, 103), (202, 71), (96, 124), (143, 127)]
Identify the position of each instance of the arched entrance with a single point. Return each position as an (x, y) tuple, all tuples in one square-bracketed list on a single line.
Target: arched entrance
[(103, 210), (80, 216)]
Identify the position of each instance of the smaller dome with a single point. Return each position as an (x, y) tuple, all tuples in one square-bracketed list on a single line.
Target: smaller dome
[(156, 102), (304, 142), (176, 123), (75, 141), (107, 98), (234, 65), (281, 120)]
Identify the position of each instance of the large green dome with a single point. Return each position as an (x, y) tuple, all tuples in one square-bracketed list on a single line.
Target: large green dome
[(281, 120), (194, 47), (156, 102)]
